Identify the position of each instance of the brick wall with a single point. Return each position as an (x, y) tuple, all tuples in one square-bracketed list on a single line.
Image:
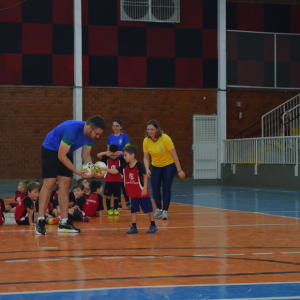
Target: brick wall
[(255, 103), (29, 114)]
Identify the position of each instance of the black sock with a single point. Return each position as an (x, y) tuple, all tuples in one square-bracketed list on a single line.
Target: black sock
[(152, 223), (134, 225), (108, 205)]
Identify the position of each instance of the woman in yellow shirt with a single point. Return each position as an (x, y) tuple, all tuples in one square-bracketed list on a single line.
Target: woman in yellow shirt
[(165, 162)]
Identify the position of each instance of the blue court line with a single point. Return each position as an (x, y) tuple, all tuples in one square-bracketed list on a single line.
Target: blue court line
[(266, 291)]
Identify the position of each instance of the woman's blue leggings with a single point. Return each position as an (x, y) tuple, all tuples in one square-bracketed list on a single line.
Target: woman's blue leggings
[(162, 177)]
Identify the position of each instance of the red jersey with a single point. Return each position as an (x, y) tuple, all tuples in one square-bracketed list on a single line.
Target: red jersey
[(88, 207), (2, 208), (21, 212), (18, 197), (85, 196), (113, 164), (134, 180)]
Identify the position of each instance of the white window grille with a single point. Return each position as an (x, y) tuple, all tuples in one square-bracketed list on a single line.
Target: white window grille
[(205, 147), (150, 10)]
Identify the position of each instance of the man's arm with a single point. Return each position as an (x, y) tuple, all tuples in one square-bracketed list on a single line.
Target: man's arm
[(62, 156)]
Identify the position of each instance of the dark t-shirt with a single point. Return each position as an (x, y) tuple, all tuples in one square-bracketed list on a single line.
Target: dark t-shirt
[(82, 199)]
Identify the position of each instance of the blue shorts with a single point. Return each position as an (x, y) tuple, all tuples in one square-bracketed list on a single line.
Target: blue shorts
[(144, 203)]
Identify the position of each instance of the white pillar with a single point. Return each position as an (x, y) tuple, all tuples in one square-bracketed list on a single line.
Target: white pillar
[(77, 91), (222, 82)]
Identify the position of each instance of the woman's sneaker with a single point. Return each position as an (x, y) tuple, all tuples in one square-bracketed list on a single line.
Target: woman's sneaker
[(158, 213), (152, 229), (132, 230), (40, 227), (165, 215), (67, 227)]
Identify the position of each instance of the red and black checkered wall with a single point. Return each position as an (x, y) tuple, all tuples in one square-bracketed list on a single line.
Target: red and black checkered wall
[(250, 56), (37, 45)]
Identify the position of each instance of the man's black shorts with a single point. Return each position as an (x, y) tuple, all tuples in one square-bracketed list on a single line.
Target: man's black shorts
[(52, 166), (113, 188)]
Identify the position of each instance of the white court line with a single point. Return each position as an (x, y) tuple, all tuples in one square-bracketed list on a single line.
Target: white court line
[(289, 252), (262, 253), (16, 260), (233, 254), (49, 259), (204, 255), (144, 256), (49, 247), (80, 258), (265, 298), (112, 257)]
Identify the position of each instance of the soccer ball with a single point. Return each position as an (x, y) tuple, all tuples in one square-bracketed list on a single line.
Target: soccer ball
[(89, 168), (100, 164)]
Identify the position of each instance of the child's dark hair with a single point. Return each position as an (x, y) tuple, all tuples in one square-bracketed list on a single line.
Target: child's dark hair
[(95, 185), (57, 187), (119, 122), (157, 126), (32, 186), (79, 180), (78, 186), (131, 149)]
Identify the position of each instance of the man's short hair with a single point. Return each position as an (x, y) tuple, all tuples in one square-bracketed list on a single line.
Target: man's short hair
[(95, 185), (131, 149), (96, 122), (32, 186), (78, 186)]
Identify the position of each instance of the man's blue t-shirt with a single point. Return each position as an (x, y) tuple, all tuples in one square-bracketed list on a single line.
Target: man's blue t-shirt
[(122, 141), (70, 133)]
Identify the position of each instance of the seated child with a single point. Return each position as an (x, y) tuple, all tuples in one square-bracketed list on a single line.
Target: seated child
[(113, 182), (94, 204), (2, 208), (135, 181), (86, 186), (74, 214), (19, 195), (24, 214)]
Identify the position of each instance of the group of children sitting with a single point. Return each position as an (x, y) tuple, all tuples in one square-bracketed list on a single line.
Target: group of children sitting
[(86, 200)]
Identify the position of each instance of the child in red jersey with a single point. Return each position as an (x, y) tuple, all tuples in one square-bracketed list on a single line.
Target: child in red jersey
[(113, 182), (20, 194), (24, 214), (2, 208), (135, 181)]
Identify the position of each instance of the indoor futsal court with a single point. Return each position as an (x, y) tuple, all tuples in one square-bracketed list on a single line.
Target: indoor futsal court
[(149, 149)]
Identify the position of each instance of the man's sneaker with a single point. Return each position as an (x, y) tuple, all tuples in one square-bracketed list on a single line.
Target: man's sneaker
[(116, 213), (128, 205), (40, 227), (67, 227), (132, 230), (85, 219), (110, 212), (165, 215), (120, 206), (152, 229), (158, 213), (53, 221)]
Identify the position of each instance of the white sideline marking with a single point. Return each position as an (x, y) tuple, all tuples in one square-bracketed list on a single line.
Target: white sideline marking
[(262, 253), (49, 247), (144, 256), (16, 260), (234, 254), (204, 255), (289, 252), (80, 258), (49, 259), (112, 257)]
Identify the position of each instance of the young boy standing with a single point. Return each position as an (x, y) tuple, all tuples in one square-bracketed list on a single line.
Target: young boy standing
[(24, 214), (135, 181), (113, 182), (20, 194)]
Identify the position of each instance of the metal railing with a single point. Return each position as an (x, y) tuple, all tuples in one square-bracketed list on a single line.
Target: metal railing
[(272, 122), (290, 121), (268, 150)]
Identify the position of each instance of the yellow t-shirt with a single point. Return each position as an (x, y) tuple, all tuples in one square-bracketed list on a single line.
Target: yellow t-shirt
[(159, 150)]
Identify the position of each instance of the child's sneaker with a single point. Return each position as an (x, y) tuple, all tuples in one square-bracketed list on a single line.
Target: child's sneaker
[(120, 206), (110, 212), (116, 213), (158, 213), (54, 221), (85, 219), (152, 229), (132, 230), (128, 205)]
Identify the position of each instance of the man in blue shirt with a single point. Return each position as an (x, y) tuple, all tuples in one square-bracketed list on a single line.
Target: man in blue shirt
[(57, 163)]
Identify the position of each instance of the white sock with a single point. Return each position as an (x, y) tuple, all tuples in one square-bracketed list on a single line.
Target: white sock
[(41, 218), (63, 221)]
